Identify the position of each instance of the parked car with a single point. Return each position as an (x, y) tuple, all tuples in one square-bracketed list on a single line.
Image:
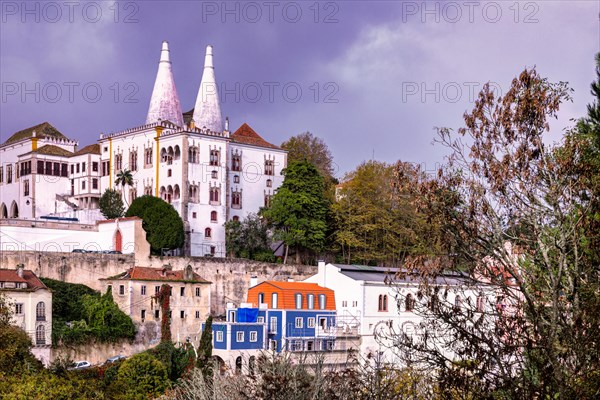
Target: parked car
[(111, 252), (80, 365), (79, 251), (114, 359)]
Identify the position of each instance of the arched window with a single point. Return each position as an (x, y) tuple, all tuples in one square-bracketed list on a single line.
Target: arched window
[(207, 232), (274, 300), (118, 241), (40, 311), (261, 298), (236, 218), (457, 303), (177, 154), (176, 193), (480, 303), (14, 210), (213, 216), (40, 335), (252, 364), (383, 301), (298, 298), (3, 211), (322, 301), (409, 302), (310, 298), (238, 365)]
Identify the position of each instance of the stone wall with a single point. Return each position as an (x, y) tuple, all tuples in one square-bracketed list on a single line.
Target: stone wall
[(230, 277), (148, 336)]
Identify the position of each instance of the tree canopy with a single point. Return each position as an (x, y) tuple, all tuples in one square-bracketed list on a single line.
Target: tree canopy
[(307, 147), (298, 211), (162, 223), (111, 204)]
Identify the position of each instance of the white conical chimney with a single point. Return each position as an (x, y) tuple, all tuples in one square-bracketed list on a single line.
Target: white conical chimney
[(207, 111), (164, 104)]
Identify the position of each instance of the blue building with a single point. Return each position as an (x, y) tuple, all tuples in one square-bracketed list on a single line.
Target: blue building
[(297, 317)]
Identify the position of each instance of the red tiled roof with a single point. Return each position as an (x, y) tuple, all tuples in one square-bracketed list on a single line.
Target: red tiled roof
[(11, 275), (159, 274), (286, 294), (247, 135), (89, 149)]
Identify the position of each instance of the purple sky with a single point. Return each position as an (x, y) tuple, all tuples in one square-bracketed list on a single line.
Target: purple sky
[(376, 77)]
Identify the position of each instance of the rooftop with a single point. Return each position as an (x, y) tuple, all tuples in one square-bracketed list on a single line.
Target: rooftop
[(246, 135), (51, 150), (89, 149), (159, 274), (288, 290), (397, 275), (42, 130), (12, 275)]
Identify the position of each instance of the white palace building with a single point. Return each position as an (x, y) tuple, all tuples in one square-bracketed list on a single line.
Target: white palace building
[(190, 160)]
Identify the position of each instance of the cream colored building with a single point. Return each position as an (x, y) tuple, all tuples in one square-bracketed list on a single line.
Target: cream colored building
[(135, 291), (32, 307)]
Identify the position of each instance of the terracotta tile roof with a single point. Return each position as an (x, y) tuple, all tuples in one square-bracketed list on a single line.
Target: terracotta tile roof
[(286, 294), (89, 149), (247, 135), (11, 275), (51, 150), (42, 130), (158, 274)]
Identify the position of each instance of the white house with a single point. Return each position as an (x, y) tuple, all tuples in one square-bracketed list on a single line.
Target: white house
[(32, 302), (368, 302)]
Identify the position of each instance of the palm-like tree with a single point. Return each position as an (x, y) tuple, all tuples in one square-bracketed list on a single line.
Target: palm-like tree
[(124, 178)]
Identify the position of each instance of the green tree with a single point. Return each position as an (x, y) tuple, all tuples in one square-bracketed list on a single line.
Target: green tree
[(248, 238), (163, 225), (124, 178), (105, 319), (204, 360), (590, 125), (376, 216), (15, 344), (111, 204), (142, 376), (298, 211), (307, 147)]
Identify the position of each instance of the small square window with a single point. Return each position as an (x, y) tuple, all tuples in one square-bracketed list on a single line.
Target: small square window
[(182, 292), (182, 314), (156, 314), (240, 337), (253, 336), (260, 320), (19, 308), (169, 172), (298, 323), (193, 215), (214, 174), (197, 314), (121, 290), (156, 289), (143, 290), (310, 322), (219, 336), (236, 179)]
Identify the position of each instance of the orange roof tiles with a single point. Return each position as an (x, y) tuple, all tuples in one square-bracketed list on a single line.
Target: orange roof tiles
[(286, 294), (247, 135), (11, 275)]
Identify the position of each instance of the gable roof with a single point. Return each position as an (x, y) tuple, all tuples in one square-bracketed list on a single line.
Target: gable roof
[(246, 135), (386, 275), (42, 130), (287, 292), (158, 274), (89, 149), (33, 282), (50, 150)]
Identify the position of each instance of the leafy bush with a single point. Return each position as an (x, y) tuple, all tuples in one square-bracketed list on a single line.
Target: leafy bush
[(177, 360), (111, 204), (142, 376), (80, 315), (163, 225)]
